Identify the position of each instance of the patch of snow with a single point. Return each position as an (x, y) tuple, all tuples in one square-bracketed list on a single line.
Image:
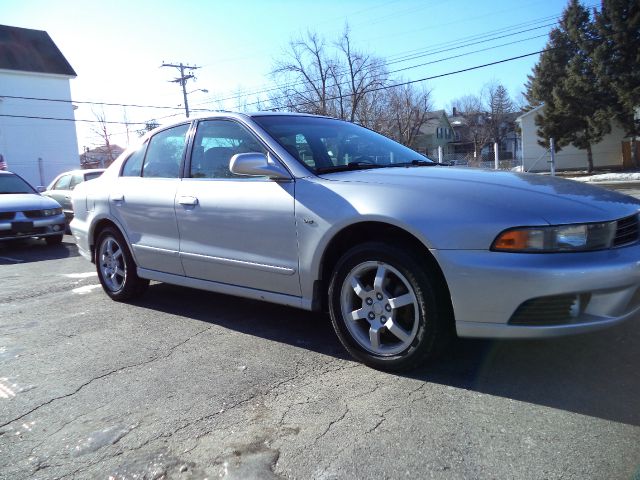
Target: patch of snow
[(610, 177)]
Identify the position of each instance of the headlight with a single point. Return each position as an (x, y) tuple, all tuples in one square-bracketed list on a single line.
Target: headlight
[(561, 238), (50, 212)]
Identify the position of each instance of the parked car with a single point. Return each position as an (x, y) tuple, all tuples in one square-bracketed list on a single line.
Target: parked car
[(319, 213), (25, 213), (61, 187)]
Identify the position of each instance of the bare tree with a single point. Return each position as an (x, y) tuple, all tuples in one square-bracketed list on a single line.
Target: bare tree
[(148, 126), (100, 128), (407, 110), (341, 81), (361, 74), (306, 71), (327, 79), (472, 109)]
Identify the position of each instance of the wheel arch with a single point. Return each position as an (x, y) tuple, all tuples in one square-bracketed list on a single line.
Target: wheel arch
[(97, 229), (362, 232)]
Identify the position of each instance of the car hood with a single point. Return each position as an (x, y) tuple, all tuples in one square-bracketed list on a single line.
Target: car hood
[(10, 202), (551, 199)]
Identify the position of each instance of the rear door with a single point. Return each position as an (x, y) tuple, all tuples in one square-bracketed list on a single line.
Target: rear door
[(143, 200)]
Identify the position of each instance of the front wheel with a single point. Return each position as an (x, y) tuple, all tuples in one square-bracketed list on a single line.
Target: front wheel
[(116, 268), (387, 307)]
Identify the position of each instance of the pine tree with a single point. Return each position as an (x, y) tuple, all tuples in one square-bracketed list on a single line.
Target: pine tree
[(576, 109), (617, 61)]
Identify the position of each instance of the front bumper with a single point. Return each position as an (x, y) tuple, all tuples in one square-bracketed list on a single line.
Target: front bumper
[(488, 287), (23, 227)]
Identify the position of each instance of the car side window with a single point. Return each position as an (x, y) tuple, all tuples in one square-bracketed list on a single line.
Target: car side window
[(215, 143), (133, 164), (165, 152), (75, 180), (62, 183)]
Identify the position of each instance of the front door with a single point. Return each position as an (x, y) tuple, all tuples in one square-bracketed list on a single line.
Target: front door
[(234, 229)]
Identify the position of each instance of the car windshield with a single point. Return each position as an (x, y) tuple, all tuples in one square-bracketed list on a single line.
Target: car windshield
[(327, 145), (14, 184)]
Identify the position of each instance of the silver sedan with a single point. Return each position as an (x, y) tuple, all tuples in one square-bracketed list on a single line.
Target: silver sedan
[(321, 214)]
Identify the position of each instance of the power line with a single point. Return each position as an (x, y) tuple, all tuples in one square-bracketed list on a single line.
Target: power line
[(410, 82), (61, 100), (70, 119), (399, 70), (386, 87), (406, 56), (412, 55)]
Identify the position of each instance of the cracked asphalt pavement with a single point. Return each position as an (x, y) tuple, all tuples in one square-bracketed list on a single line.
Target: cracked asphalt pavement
[(185, 384)]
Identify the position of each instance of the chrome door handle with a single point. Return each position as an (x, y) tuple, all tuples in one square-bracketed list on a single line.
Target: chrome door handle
[(117, 197), (188, 201)]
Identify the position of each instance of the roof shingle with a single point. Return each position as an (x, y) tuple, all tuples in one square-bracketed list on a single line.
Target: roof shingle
[(27, 50)]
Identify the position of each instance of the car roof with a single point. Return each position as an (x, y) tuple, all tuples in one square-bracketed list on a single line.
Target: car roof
[(230, 114), (81, 170)]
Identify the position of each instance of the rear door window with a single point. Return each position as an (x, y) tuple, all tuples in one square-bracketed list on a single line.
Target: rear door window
[(133, 164), (165, 152)]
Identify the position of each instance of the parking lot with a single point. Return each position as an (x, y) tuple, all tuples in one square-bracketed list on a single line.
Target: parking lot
[(190, 384)]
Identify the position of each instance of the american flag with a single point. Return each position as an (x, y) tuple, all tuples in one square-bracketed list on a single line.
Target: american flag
[(3, 164)]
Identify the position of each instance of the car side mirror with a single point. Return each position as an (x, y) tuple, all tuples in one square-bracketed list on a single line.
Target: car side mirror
[(257, 165), (41, 189)]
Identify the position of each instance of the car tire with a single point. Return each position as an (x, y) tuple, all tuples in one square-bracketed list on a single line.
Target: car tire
[(53, 240), (116, 268), (388, 308)]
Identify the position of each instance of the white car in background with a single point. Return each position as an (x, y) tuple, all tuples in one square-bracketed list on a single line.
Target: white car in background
[(61, 187)]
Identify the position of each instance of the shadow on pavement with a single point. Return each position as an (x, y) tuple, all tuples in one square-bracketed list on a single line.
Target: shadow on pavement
[(30, 250), (595, 374)]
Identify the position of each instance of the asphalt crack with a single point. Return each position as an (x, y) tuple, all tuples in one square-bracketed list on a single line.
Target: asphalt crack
[(104, 375)]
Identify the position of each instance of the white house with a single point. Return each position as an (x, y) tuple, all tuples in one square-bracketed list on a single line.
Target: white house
[(535, 158), (32, 144)]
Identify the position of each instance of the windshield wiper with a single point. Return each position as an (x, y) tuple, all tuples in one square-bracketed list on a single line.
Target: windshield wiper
[(349, 166), (416, 163)]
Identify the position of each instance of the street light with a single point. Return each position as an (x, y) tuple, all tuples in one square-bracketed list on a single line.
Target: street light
[(186, 104)]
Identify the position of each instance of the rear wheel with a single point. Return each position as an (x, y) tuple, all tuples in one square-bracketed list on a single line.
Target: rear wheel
[(387, 308), (116, 268)]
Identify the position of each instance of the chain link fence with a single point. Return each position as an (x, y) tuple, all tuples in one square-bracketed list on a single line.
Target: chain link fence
[(485, 160)]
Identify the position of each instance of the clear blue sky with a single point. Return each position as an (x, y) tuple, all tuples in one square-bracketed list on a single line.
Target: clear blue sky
[(117, 46)]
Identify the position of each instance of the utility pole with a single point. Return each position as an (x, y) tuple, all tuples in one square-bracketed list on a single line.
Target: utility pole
[(182, 80)]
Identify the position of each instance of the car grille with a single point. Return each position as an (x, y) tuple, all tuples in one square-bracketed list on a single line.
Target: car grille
[(627, 231), (7, 215), (555, 310), (34, 214)]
